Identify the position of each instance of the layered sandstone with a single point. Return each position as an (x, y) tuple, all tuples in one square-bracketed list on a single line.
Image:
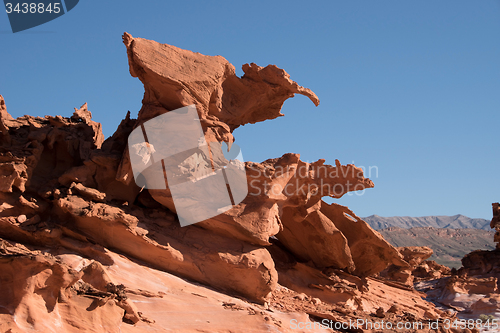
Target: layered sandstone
[(419, 268), (69, 204)]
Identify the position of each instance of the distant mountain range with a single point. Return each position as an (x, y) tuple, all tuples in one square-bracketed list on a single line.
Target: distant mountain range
[(449, 245), (448, 222), (450, 237)]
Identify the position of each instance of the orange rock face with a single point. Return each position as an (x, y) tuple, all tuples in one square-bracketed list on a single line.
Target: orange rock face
[(495, 223), (419, 268), (69, 205)]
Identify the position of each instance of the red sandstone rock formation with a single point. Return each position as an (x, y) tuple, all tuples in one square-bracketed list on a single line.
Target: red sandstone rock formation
[(473, 289), (419, 268), (69, 204), (495, 223)]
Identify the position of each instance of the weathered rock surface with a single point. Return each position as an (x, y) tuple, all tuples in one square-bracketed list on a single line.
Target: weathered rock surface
[(469, 296), (419, 268), (482, 263), (69, 204), (174, 78), (332, 235), (63, 183), (56, 290), (286, 184), (495, 223), (371, 253), (429, 269), (473, 289), (353, 293), (190, 252), (414, 255)]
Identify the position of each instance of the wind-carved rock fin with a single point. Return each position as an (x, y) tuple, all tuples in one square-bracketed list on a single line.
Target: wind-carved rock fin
[(4, 118), (174, 77)]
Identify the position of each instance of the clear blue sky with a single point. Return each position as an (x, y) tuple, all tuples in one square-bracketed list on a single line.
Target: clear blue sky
[(409, 87)]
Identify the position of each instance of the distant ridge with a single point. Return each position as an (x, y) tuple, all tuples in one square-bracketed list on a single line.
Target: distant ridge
[(447, 222), (449, 245)]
